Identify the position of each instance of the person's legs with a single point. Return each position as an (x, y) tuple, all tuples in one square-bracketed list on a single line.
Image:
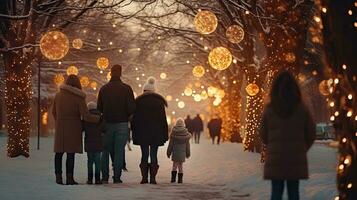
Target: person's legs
[(124, 162), (144, 153), (277, 189), (120, 138), (180, 172), (293, 189), (153, 154), (58, 168), (90, 162), (144, 166), (212, 138), (219, 139), (198, 137), (108, 141), (97, 159), (174, 172), (70, 169), (195, 136)]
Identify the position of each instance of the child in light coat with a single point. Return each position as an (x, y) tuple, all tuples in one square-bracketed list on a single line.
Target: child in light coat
[(178, 149)]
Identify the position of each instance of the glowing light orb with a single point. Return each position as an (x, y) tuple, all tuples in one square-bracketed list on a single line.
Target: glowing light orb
[(290, 57), (54, 45), (163, 75), (72, 70), (188, 91), (181, 104), (94, 85), (198, 71), (197, 97), (109, 76), (58, 79), (84, 81), (102, 63), (211, 91), (235, 34), (77, 43), (220, 94), (220, 58), (204, 95), (324, 88), (217, 101), (198, 84), (205, 22), (168, 98), (252, 89)]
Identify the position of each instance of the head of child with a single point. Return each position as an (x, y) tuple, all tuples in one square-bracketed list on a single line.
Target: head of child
[(92, 105), (180, 123)]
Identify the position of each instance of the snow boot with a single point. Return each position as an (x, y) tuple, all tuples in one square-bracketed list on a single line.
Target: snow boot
[(105, 181), (59, 179), (173, 176), (90, 179), (180, 177), (153, 172), (97, 179), (144, 168), (70, 180)]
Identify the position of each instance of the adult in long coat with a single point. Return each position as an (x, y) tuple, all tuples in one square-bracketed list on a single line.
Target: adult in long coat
[(197, 128), (69, 108), (288, 131), (214, 127), (149, 129)]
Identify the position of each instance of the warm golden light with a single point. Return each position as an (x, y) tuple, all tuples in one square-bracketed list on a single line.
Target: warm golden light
[(181, 104), (54, 45), (163, 75), (220, 58), (252, 89), (205, 22), (72, 70), (235, 34), (168, 98), (324, 88), (58, 79), (188, 91), (84, 81), (94, 85), (290, 57), (77, 43), (102, 63), (198, 71)]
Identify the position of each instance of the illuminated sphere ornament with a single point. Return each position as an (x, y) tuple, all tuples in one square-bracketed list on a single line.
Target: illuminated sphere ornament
[(163, 75), (204, 95), (220, 94), (84, 81), (54, 45), (197, 97), (109, 76), (211, 91), (188, 91), (324, 88), (198, 71), (77, 43), (168, 98), (290, 57), (252, 89), (58, 79), (235, 34), (205, 22), (181, 104), (102, 63), (217, 101), (72, 70), (94, 85), (220, 58)]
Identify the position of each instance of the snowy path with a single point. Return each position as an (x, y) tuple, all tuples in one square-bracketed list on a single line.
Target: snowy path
[(213, 172)]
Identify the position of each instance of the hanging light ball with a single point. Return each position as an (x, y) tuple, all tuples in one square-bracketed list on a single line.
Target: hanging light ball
[(54, 45), (197, 97), (220, 94), (94, 85), (102, 63), (211, 91), (220, 58), (204, 95), (84, 81), (217, 101), (77, 43), (163, 75), (198, 71), (324, 88), (252, 89), (188, 91), (168, 98), (181, 104), (58, 79), (72, 70), (290, 57), (235, 34), (205, 22)]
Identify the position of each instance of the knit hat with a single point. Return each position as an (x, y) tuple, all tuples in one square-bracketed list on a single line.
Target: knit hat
[(180, 122), (92, 105), (150, 84)]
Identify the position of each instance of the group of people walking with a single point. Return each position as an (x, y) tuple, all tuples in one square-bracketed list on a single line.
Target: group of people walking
[(287, 130)]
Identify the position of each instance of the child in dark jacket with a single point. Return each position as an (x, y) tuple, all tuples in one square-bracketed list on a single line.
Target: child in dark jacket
[(93, 144), (178, 149)]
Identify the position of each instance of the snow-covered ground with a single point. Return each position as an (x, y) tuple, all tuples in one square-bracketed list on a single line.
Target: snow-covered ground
[(213, 172)]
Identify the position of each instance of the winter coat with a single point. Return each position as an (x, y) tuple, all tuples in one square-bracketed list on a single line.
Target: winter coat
[(149, 124), (69, 108), (287, 139), (179, 145), (116, 101), (197, 124), (214, 126), (93, 140), (188, 123)]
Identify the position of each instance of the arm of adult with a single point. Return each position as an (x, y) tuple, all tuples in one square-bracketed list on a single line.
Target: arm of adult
[(164, 123), (188, 149), (310, 130), (86, 115), (130, 103), (263, 130), (169, 149)]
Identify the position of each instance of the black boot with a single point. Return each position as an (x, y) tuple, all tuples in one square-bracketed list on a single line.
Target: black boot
[(90, 179), (97, 179), (144, 168), (59, 179), (70, 180), (180, 177), (173, 176), (153, 172)]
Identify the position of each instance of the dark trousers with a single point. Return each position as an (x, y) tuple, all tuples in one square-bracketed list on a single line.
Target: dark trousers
[(93, 159), (278, 189), (146, 150), (214, 137), (69, 163), (197, 136)]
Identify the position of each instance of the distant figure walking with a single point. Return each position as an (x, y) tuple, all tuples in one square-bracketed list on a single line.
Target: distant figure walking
[(150, 129), (189, 124), (178, 149), (288, 131), (214, 127), (69, 108), (197, 128), (116, 102)]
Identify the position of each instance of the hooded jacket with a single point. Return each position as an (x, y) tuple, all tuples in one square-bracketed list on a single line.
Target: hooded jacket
[(179, 145)]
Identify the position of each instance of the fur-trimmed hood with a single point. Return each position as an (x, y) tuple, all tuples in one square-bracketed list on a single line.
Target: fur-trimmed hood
[(154, 94), (73, 90), (180, 133)]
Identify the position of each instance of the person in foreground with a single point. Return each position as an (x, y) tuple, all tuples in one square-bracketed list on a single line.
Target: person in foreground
[(178, 149), (69, 108), (288, 131), (116, 102)]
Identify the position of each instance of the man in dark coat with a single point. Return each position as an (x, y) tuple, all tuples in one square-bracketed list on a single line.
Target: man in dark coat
[(214, 126), (188, 123), (197, 128), (149, 129), (116, 102)]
